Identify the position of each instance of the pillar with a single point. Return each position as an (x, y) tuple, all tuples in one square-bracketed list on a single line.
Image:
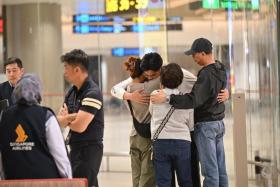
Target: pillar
[(32, 32)]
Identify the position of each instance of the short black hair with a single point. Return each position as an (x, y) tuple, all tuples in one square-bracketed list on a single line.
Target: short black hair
[(151, 61), (171, 75), (76, 57), (13, 60)]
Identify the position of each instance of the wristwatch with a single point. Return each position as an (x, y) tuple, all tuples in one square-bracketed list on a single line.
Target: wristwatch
[(167, 99)]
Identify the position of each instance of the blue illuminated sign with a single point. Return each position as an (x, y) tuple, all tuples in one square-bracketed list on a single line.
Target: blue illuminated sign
[(87, 18), (84, 29), (120, 51), (91, 18), (142, 28), (125, 52), (87, 23), (118, 19), (117, 28)]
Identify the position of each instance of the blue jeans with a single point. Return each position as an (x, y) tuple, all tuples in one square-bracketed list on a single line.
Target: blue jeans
[(176, 154), (208, 137)]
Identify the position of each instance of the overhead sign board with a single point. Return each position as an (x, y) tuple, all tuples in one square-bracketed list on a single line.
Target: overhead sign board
[(89, 18), (90, 23), (231, 4), (118, 28), (92, 18), (122, 6), (120, 51)]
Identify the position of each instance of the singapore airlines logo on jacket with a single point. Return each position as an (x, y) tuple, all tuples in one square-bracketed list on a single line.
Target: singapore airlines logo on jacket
[(21, 134), (20, 144)]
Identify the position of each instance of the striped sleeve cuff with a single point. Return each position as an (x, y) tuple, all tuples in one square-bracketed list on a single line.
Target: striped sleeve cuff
[(92, 103)]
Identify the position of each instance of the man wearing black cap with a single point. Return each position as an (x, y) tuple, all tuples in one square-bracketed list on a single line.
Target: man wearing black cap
[(209, 112)]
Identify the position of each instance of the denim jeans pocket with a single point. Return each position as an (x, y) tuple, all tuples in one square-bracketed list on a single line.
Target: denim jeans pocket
[(209, 131)]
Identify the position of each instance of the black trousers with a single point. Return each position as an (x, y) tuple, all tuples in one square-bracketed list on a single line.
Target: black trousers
[(195, 167), (195, 164), (86, 160)]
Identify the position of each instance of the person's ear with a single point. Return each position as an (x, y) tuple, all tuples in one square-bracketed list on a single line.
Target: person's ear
[(76, 69), (22, 71)]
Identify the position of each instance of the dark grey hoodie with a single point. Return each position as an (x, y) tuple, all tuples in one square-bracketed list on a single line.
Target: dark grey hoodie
[(211, 80)]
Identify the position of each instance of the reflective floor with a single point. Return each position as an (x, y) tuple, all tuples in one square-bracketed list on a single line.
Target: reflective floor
[(117, 140), (109, 179)]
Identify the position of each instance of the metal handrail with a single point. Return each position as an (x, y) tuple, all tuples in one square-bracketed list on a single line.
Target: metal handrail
[(114, 154), (260, 164), (269, 172)]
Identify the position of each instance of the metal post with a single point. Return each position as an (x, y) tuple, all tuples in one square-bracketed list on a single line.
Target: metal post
[(108, 164), (275, 171), (240, 140)]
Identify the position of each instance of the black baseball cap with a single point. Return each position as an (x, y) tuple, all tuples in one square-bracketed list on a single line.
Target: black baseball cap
[(200, 45)]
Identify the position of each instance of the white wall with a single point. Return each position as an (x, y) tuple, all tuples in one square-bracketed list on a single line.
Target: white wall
[(2, 78)]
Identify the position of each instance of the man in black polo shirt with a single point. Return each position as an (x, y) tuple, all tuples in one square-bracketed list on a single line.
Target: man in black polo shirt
[(84, 102), (14, 71)]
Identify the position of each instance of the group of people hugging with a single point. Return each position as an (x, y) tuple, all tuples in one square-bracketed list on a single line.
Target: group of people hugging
[(177, 119)]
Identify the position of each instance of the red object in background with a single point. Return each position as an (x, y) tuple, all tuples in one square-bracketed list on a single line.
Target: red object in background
[(154, 1), (1, 25)]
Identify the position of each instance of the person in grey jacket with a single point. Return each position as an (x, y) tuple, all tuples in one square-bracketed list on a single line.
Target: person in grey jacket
[(172, 149)]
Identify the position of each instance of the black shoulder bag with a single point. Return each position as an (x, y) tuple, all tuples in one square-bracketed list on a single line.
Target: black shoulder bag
[(143, 129)]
